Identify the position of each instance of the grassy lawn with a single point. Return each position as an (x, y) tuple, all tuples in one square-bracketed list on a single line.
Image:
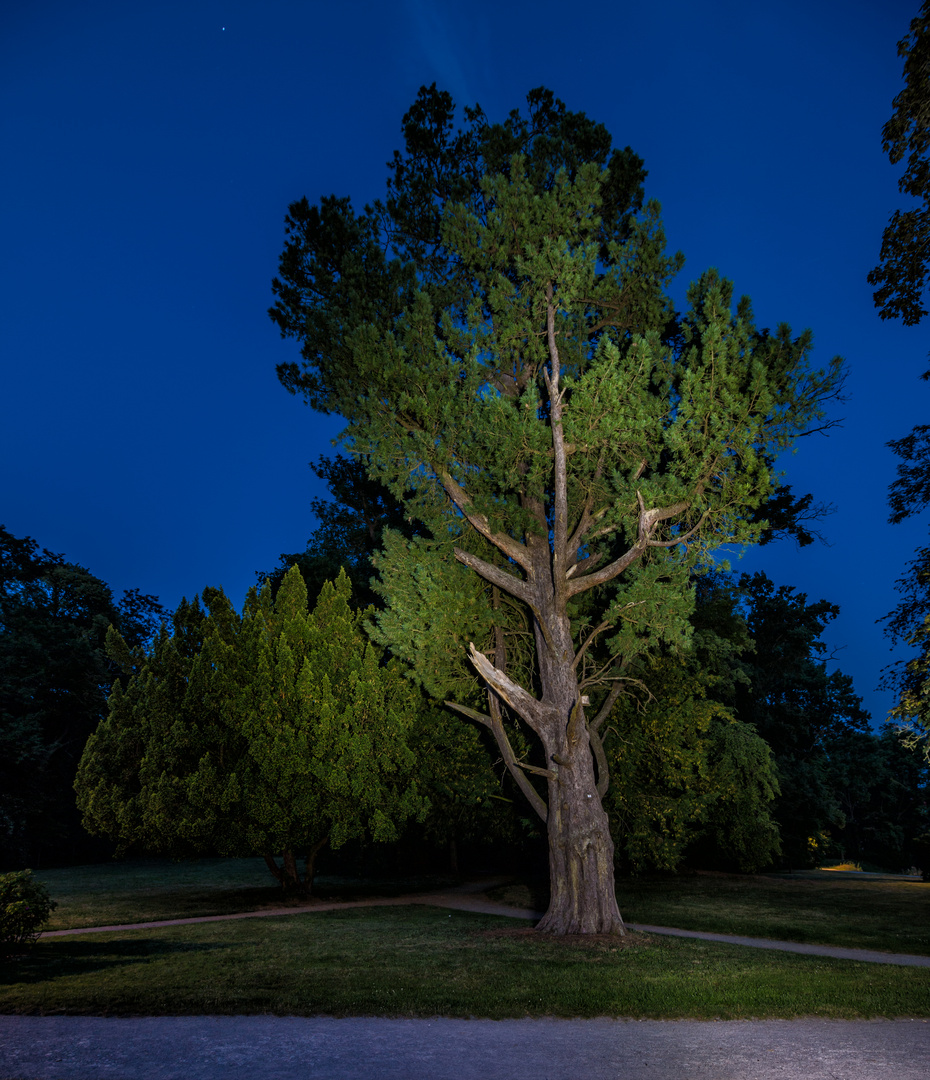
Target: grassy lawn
[(148, 890), (419, 961), (818, 907)]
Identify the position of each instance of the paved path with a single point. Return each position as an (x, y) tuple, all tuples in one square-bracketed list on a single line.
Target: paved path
[(322, 1048)]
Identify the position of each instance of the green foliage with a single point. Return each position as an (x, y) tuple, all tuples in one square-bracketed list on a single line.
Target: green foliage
[(882, 787), (659, 768), (689, 780), (901, 276), (24, 909), (271, 732), (806, 713), (909, 623), (568, 446)]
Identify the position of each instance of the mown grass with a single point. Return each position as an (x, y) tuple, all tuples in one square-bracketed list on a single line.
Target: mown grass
[(818, 907), (149, 890), (421, 961)]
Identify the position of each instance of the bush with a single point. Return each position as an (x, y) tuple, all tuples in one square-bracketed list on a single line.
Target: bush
[(24, 909)]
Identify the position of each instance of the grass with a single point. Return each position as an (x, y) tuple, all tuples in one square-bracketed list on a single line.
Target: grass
[(418, 961), (818, 907), (149, 890)]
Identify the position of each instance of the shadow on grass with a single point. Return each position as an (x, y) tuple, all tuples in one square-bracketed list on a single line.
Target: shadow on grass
[(78, 956)]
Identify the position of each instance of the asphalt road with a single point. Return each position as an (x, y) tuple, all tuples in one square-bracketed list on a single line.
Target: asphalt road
[(322, 1048)]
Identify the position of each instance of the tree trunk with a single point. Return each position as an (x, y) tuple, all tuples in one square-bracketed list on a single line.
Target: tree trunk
[(583, 897), (310, 870)]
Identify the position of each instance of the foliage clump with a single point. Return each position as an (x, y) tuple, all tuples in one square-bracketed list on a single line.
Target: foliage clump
[(272, 733), (24, 909)]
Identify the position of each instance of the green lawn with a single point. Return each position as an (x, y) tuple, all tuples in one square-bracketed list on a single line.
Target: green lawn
[(818, 907), (148, 890), (417, 961)]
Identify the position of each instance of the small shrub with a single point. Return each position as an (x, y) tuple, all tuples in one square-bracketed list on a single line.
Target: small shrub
[(24, 909)]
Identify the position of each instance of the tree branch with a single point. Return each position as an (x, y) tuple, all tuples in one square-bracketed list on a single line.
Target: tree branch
[(512, 693), (503, 744), (648, 520), (560, 476), (494, 575), (513, 549), (603, 769)]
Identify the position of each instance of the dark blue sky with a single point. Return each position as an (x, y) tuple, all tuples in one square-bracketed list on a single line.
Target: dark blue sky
[(149, 155)]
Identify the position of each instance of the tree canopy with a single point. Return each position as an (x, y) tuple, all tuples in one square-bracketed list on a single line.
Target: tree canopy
[(570, 447), (901, 275)]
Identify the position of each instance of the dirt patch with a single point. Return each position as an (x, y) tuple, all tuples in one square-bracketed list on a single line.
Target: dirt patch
[(599, 942)]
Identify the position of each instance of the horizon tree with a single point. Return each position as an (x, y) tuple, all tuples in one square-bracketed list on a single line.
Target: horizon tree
[(569, 446)]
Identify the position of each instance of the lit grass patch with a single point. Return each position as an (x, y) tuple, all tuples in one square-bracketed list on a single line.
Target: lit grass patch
[(417, 961)]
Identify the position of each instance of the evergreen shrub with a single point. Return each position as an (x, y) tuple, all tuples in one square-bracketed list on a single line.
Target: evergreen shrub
[(24, 909)]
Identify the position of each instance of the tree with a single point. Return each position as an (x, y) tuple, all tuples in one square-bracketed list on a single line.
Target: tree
[(881, 786), (902, 281), (901, 275), (569, 449), (54, 677), (272, 733), (800, 708), (687, 773)]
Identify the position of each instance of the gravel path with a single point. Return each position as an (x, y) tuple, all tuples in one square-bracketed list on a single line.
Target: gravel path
[(323, 1048)]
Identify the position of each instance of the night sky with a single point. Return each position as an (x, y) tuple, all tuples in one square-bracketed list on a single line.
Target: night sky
[(149, 153)]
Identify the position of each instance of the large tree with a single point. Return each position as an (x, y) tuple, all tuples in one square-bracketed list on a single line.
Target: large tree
[(803, 710), (570, 449), (901, 278)]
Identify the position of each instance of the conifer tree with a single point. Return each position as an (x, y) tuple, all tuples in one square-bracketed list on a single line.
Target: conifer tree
[(270, 734), (569, 449)]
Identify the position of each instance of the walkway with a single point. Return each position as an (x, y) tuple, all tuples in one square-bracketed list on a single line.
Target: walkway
[(327, 1048)]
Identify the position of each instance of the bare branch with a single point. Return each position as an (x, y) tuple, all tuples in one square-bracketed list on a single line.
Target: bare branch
[(603, 769), (503, 744), (550, 774), (513, 549), (512, 693), (494, 575), (615, 691), (472, 714), (597, 629), (560, 475)]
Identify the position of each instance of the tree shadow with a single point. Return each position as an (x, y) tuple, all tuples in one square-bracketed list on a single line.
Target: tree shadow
[(68, 957)]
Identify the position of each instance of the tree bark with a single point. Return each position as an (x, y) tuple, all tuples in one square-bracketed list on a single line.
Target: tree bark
[(582, 890)]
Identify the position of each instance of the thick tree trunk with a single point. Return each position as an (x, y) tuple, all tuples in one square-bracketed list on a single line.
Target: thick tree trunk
[(288, 876), (583, 897)]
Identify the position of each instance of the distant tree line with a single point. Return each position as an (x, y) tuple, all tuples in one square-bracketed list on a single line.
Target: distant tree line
[(55, 675)]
